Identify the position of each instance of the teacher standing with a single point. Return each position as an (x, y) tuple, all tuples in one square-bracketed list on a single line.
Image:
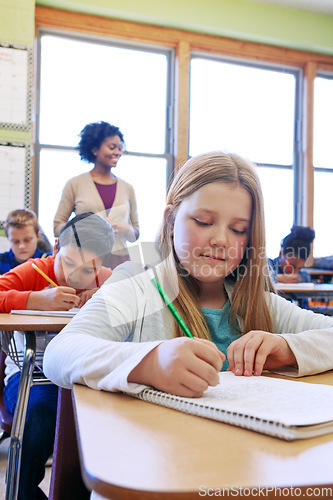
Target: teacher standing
[(100, 190)]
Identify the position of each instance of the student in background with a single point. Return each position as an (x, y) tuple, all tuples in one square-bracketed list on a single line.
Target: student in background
[(288, 267), (24, 236), (44, 242), (214, 269), (76, 271), (323, 262), (100, 190)]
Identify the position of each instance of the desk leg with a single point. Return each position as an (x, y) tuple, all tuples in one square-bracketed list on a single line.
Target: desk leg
[(15, 449)]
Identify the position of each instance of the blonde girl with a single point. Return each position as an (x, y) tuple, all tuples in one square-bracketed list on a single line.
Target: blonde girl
[(214, 267), (251, 279)]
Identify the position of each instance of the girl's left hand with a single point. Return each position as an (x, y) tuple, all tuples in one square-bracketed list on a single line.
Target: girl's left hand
[(257, 351)]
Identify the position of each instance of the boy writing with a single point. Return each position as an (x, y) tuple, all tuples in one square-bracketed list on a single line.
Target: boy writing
[(76, 270), (23, 233)]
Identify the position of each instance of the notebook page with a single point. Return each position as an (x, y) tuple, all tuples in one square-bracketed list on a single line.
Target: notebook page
[(288, 402), (29, 312)]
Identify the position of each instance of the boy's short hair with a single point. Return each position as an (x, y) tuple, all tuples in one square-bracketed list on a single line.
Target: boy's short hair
[(21, 217), (88, 231)]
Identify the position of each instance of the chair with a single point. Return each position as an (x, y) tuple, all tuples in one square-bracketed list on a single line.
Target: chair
[(328, 311), (66, 480), (6, 418)]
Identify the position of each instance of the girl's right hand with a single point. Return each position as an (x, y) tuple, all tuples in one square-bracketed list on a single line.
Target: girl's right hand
[(181, 366), (60, 298)]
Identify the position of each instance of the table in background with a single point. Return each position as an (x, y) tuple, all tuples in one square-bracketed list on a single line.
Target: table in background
[(320, 275), (134, 450), (31, 327), (320, 294), (306, 289)]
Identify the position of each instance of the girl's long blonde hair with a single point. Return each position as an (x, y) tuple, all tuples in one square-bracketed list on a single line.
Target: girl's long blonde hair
[(251, 279)]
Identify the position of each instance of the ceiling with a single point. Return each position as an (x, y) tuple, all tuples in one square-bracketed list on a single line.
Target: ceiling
[(321, 6)]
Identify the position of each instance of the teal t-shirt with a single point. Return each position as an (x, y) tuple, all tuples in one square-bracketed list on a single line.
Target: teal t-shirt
[(221, 331)]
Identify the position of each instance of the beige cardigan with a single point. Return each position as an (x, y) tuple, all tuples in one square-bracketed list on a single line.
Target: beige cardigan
[(80, 195)]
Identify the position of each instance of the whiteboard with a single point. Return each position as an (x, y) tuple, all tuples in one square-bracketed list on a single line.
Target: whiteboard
[(15, 178), (15, 87)]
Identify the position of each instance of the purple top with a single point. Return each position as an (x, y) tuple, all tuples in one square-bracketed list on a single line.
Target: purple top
[(107, 192)]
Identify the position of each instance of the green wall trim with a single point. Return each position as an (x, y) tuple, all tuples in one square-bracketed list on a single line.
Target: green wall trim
[(17, 26), (15, 136), (17, 21), (240, 19)]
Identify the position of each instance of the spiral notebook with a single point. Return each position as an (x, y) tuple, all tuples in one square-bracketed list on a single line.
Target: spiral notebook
[(282, 408)]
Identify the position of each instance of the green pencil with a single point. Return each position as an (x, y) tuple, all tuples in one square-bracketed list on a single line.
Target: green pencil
[(171, 307)]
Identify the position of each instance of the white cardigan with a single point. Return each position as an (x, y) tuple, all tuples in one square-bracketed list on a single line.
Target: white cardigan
[(126, 319), (80, 194)]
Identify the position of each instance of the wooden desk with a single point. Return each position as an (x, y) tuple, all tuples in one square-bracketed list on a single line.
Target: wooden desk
[(31, 327), (305, 289), (12, 322), (134, 450), (315, 272), (320, 275)]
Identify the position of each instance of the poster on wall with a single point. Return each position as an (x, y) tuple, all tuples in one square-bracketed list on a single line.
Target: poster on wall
[(15, 87), (15, 177)]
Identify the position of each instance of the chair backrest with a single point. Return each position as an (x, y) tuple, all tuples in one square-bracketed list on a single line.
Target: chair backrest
[(6, 418), (66, 480)]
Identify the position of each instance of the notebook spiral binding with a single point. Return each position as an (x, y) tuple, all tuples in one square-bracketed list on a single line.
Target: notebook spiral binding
[(269, 427)]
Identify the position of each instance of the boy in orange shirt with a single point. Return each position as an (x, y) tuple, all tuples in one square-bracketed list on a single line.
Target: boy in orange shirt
[(76, 268)]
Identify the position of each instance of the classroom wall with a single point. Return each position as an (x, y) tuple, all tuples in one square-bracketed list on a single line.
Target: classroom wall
[(17, 20), (242, 19), (17, 26)]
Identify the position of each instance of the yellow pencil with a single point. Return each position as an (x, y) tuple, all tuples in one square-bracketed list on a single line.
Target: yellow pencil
[(43, 274)]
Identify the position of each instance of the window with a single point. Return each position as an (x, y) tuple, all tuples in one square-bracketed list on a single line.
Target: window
[(257, 88), (323, 164), (251, 110), (83, 80)]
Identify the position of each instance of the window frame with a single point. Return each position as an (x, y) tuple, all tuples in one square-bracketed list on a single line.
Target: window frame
[(183, 43), (297, 165), (168, 139), (329, 76), (324, 73)]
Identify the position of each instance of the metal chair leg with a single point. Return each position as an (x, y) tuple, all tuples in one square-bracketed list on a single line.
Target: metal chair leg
[(15, 449)]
